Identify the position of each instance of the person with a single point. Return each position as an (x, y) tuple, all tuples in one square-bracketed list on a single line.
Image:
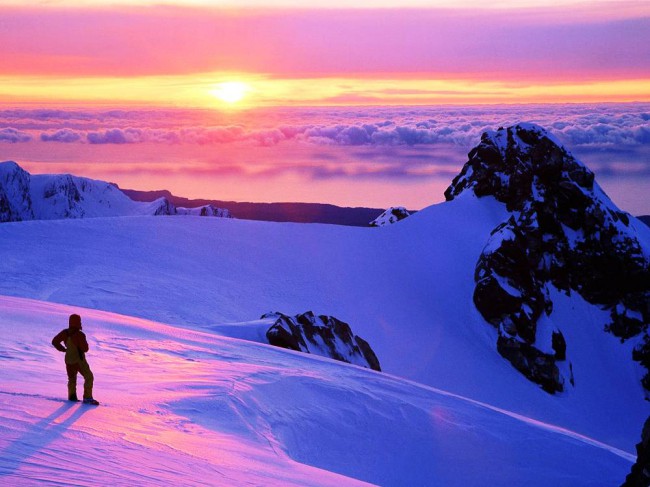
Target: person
[(75, 348)]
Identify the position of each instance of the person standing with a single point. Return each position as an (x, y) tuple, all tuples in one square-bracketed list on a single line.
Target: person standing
[(73, 342)]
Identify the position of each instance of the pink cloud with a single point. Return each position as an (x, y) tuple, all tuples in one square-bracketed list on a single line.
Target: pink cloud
[(495, 44)]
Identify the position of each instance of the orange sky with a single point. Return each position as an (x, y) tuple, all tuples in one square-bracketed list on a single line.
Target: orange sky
[(178, 55)]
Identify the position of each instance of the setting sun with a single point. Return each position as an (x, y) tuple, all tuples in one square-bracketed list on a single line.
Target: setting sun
[(230, 92)]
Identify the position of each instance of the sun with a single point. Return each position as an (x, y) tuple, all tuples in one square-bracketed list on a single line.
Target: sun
[(231, 92)]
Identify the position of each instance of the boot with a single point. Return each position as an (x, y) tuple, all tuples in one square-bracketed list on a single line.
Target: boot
[(73, 398), (90, 400)]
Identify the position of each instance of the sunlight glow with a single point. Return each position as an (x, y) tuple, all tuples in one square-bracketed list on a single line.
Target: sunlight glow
[(201, 91), (231, 92)]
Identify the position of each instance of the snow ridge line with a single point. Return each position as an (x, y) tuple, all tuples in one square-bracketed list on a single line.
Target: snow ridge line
[(530, 421)]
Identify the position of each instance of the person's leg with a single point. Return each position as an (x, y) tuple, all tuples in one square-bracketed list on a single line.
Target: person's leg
[(72, 370), (84, 369)]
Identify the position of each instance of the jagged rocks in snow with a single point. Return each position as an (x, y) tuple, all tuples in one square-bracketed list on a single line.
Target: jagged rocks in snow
[(320, 335), (640, 474), (205, 210), (563, 231), (391, 215)]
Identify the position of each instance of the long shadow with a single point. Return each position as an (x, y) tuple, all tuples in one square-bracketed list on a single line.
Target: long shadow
[(38, 437)]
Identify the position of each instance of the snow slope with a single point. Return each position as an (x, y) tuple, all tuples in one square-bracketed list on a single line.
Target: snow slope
[(184, 407), (406, 289)]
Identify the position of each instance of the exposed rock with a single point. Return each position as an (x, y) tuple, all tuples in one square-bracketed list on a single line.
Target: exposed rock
[(559, 345), (563, 232), (205, 210), (537, 366), (391, 215), (320, 335), (640, 474)]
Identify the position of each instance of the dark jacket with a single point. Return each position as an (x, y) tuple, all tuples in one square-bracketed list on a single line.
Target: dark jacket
[(75, 347)]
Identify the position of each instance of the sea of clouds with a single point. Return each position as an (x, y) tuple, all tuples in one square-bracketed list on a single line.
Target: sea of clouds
[(602, 125), (384, 143)]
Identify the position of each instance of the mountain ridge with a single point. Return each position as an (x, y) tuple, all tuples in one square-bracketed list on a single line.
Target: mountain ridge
[(25, 196), (274, 212)]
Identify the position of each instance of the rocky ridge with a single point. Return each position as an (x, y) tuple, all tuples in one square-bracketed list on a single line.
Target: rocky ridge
[(391, 215), (321, 335), (563, 231)]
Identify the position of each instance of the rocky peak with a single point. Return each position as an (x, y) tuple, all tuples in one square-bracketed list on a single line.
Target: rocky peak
[(563, 231), (322, 335), (391, 215), (522, 164)]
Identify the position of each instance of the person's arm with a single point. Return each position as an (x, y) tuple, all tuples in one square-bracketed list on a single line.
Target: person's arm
[(56, 341)]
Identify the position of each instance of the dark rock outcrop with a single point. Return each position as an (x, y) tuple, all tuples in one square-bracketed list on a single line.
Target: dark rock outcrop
[(320, 335), (640, 474), (391, 215), (563, 231)]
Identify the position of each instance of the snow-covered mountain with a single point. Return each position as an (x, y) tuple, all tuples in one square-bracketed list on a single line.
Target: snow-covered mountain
[(25, 196), (391, 215), (561, 231), (409, 290)]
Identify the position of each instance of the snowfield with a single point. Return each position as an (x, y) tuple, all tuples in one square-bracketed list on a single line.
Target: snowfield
[(190, 403), (185, 407)]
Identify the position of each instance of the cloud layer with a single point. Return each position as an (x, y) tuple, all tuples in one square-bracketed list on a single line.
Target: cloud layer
[(614, 127)]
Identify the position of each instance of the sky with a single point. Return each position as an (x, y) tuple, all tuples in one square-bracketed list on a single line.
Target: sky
[(225, 70)]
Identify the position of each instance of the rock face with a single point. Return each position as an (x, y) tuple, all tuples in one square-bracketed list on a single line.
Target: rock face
[(640, 474), (51, 196), (391, 215), (563, 231), (321, 335)]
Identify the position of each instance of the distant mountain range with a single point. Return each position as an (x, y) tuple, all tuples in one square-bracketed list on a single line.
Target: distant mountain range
[(274, 212), (24, 196)]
